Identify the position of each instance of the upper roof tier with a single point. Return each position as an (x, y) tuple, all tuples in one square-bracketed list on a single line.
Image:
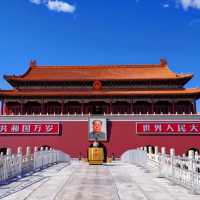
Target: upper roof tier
[(100, 72)]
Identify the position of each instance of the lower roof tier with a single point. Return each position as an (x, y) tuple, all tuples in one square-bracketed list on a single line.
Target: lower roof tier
[(97, 93)]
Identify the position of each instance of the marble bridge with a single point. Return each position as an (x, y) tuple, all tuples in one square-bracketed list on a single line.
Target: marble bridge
[(111, 181)]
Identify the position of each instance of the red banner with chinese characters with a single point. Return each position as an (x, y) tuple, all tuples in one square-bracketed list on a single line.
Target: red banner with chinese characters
[(30, 128), (168, 127)]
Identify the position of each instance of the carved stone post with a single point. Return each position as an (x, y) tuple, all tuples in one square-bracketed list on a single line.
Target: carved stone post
[(172, 155), (35, 149), (163, 150), (156, 150), (28, 153), (8, 152), (191, 154), (196, 155), (172, 152), (150, 150), (19, 150)]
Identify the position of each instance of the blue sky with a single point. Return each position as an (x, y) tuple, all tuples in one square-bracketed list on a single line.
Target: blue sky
[(84, 32)]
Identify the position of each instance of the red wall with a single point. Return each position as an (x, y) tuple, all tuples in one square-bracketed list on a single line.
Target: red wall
[(121, 137)]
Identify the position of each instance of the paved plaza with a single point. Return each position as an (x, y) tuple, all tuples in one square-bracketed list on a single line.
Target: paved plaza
[(79, 180)]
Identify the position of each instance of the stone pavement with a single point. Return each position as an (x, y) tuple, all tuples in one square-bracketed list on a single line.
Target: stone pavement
[(80, 181)]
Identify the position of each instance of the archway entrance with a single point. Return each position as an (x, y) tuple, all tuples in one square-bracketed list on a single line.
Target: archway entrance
[(3, 151), (152, 149), (192, 149)]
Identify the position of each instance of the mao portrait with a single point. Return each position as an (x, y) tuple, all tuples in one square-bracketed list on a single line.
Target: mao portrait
[(97, 129)]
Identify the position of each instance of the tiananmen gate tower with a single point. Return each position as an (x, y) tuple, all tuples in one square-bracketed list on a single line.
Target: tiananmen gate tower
[(140, 105)]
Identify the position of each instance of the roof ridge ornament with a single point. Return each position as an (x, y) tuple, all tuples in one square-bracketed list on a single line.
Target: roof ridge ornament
[(33, 63), (163, 62)]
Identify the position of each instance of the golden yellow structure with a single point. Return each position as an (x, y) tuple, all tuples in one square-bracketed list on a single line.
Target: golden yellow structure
[(95, 155)]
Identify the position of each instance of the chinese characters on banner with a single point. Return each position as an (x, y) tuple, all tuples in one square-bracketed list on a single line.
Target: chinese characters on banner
[(168, 128), (32, 128)]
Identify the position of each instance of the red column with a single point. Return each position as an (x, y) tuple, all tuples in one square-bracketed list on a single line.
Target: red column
[(110, 106), (21, 108), (2, 105), (152, 107), (82, 107), (5, 108), (173, 107), (62, 106), (194, 107), (67, 107), (42, 106), (131, 107)]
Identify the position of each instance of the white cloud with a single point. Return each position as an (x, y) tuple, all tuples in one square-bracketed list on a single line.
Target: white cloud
[(186, 4), (194, 22), (60, 6), (166, 5), (56, 5), (36, 1)]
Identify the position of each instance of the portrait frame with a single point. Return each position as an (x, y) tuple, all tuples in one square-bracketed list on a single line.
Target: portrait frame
[(91, 132)]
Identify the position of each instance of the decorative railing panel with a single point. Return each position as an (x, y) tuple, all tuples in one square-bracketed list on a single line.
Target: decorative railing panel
[(179, 170), (15, 166)]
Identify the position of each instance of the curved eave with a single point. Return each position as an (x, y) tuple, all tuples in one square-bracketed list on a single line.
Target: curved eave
[(85, 93), (184, 78), (12, 78)]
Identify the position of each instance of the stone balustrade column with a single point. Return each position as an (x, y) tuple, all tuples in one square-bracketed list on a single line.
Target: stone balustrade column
[(46, 148), (150, 150), (191, 161), (191, 154), (196, 155), (19, 155), (35, 149), (172, 152), (163, 150), (172, 171), (156, 150), (28, 153), (160, 162), (19, 150), (156, 153), (8, 152)]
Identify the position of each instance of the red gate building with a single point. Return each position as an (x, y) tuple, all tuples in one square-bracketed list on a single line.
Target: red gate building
[(143, 105)]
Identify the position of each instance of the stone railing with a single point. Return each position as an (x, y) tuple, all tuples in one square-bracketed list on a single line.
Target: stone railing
[(17, 165), (180, 170), (138, 157)]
